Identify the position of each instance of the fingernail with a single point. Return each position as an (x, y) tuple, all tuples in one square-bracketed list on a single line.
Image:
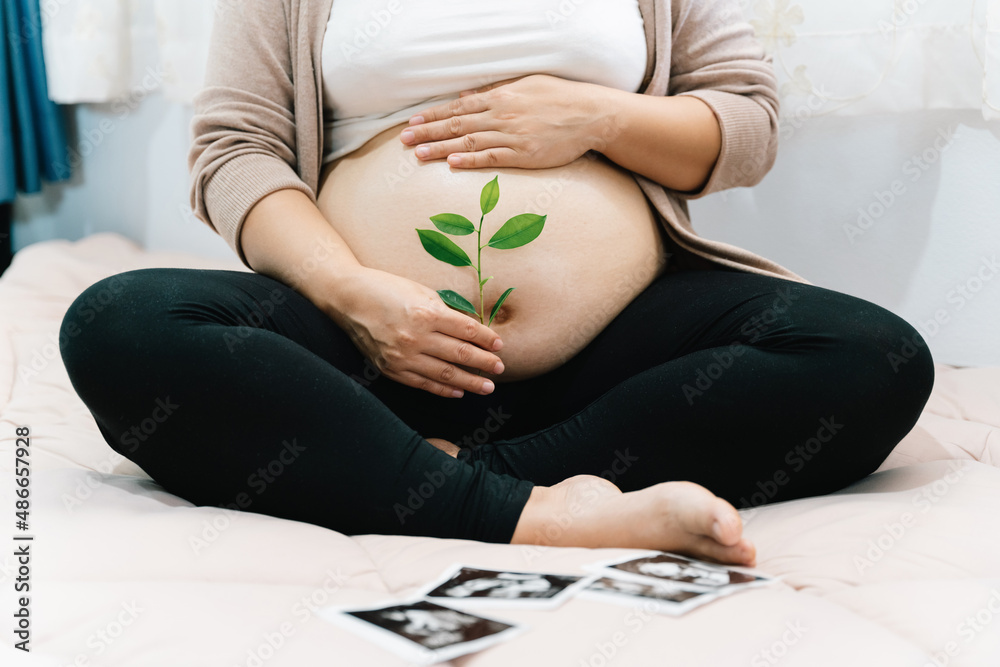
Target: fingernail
[(498, 368), (457, 393), (497, 344), (455, 160), (407, 136), (416, 120), (423, 151), (488, 386)]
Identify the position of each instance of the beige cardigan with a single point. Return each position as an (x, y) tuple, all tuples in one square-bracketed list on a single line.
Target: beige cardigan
[(258, 124)]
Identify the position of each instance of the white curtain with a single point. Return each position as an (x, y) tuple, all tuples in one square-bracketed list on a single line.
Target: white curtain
[(107, 50), (849, 57), (882, 56)]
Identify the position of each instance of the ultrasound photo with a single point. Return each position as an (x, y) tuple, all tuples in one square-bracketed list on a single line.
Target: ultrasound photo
[(668, 567), (641, 590), (431, 625), (469, 582), (421, 631), (663, 597)]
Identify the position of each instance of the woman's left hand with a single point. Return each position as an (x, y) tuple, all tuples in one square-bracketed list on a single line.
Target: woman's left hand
[(532, 122)]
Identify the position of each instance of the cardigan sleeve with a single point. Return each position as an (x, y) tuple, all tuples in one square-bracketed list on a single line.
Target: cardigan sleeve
[(716, 58), (243, 128)]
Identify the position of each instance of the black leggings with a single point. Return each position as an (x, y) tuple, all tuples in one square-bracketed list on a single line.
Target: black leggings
[(230, 389)]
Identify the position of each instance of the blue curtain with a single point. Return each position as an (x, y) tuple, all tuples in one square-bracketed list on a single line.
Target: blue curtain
[(32, 134)]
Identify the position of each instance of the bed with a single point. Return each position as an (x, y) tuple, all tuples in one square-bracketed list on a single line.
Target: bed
[(898, 569)]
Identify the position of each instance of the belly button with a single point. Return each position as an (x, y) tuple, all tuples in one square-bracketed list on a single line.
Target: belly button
[(503, 315)]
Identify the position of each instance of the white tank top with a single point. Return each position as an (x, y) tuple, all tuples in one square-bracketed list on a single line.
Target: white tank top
[(384, 61)]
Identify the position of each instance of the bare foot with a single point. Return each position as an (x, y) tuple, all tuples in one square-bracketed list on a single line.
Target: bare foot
[(448, 448), (589, 511)]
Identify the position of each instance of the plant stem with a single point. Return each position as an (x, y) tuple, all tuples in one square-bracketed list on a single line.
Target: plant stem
[(479, 268)]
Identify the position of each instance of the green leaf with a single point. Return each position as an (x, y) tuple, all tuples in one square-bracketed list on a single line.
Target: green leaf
[(496, 306), (450, 223), (443, 248), (456, 300), (483, 282), (518, 231), (490, 195)]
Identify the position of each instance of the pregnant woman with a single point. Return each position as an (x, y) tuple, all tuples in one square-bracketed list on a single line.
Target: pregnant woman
[(639, 383)]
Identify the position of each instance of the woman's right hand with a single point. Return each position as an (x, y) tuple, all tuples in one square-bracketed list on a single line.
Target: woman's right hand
[(412, 337)]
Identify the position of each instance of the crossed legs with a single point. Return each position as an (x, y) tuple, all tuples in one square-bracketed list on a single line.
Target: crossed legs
[(278, 413)]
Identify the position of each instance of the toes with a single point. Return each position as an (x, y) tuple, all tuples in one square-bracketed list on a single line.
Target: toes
[(727, 527), (705, 514), (742, 553), (752, 550)]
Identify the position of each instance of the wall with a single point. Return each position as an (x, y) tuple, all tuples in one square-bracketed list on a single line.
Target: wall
[(132, 179), (900, 209)]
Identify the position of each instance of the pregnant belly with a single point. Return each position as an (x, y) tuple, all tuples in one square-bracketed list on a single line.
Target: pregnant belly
[(600, 247)]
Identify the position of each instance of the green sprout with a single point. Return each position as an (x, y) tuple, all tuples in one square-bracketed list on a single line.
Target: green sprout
[(516, 232)]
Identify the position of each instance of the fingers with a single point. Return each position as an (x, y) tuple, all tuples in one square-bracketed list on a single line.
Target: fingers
[(473, 151), (438, 377), (491, 158), (470, 143), (465, 328), (465, 132), (457, 128), (417, 381), (462, 353), (433, 375), (458, 341), (424, 383), (468, 104)]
